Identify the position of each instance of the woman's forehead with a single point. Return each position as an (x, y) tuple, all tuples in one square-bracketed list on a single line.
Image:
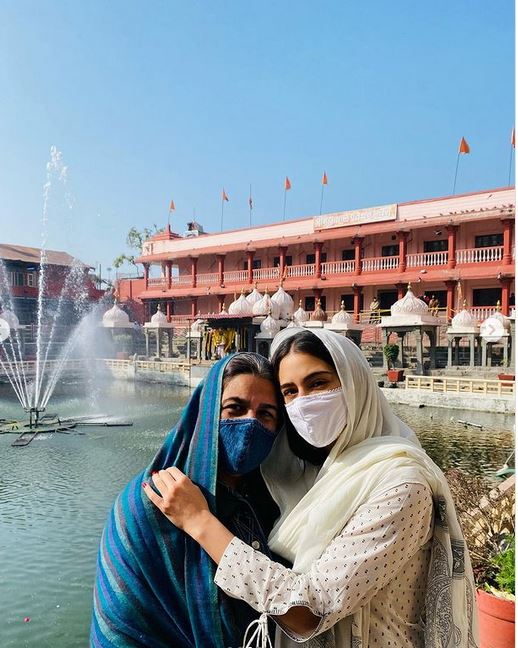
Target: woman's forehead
[(298, 363)]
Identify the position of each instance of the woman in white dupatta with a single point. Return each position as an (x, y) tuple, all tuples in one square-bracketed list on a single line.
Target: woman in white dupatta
[(375, 562)]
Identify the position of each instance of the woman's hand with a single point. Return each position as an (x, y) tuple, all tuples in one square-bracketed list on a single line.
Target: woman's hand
[(181, 501)]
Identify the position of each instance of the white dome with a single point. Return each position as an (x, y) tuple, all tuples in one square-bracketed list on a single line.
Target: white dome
[(197, 326), (318, 315), (500, 317), (409, 305), (464, 319), (159, 317), (285, 303), (254, 297), (266, 307), (116, 318), (269, 326), (10, 318), (342, 317), (240, 307), (300, 314)]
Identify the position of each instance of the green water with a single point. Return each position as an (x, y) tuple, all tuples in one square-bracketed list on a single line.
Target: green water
[(56, 492)]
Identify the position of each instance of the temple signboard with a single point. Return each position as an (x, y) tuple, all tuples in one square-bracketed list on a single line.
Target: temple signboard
[(356, 217)]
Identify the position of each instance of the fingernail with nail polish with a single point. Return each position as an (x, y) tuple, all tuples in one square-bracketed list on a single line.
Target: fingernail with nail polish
[(144, 484)]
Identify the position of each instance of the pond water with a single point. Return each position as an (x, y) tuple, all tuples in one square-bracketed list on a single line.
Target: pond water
[(56, 492)]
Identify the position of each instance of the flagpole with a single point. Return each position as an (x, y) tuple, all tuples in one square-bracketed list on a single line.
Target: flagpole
[(510, 165), (222, 207), (321, 198), (250, 207), (456, 171), (284, 208)]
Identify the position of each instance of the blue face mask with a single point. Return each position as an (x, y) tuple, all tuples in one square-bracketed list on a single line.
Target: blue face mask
[(243, 444)]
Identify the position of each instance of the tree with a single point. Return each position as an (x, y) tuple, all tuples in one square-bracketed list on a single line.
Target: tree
[(134, 240)]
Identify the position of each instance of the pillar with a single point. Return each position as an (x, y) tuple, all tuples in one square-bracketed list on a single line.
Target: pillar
[(450, 297), (194, 306), (403, 239), (318, 259), (146, 274), (221, 268), (508, 239), (221, 301), (282, 260), (168, 310), (146, 333), (358, 241), (450, 354), (250, 265), (357, 291), (419, 351), (169, 273), (452, 246), (194, 271), (157, 332), (505, 283)]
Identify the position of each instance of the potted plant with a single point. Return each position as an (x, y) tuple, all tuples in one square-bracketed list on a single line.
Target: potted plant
[(486, 516), (391, 353)]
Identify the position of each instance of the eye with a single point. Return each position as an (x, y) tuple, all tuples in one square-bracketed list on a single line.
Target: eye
[(233, 409), (319, 383)]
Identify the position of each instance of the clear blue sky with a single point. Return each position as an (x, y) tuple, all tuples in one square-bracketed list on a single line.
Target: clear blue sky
[(150, 101)]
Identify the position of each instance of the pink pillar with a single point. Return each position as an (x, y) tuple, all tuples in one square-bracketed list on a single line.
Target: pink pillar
[(403, 238), (358, 240), (146, 274), (221, 268), (452, 246), (357, 290), (250, 266), (194, 306), (282, 258), (318, 259), (169, 270), (450, 299), (508, 238), (194, 271)]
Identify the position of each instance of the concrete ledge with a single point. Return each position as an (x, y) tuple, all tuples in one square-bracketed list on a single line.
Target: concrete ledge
[(477, 402)]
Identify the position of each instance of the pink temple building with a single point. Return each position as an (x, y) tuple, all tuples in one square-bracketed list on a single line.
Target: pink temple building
[(455, 248)]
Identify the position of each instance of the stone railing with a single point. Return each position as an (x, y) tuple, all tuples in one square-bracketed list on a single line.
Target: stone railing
[(480, 255), (426, 259), (380, 263), (338, 267)]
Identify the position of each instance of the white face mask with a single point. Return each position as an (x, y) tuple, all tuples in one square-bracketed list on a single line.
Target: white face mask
[(319, 418)]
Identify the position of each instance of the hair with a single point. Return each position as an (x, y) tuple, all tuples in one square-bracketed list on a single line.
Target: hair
[(253, 364), (303, 342)]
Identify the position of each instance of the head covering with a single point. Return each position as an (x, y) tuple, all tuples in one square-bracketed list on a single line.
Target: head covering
[(154, 584), (316, 503)]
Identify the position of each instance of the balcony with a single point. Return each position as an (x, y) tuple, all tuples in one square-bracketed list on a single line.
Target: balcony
[(334, 268), (424, 259), (338, 267), (375, 264), (480, 255)]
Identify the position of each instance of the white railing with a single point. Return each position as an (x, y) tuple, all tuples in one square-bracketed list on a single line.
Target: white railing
[(162, 283), (181, 280), (460, 385), (29, 366), (235, 276), (337, 267), (480, 255), (305, 270), (426, 259), (380, 263), (206, 278), (482, 312), (266, 273)]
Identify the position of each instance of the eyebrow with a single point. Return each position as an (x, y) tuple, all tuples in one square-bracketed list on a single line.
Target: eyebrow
[(242, 401), (310, 376)]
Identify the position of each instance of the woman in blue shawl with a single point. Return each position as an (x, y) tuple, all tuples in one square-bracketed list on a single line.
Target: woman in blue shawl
[(155, 585)]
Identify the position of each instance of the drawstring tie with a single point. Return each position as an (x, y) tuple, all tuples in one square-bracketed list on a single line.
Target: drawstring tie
[(259, 633)]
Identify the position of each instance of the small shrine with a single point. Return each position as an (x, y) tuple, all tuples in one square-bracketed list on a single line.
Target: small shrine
[(463, 326), (411, 315), (342, 322), (317, 317), (263, 340), (265, 306), (195, 339), (299, 316), (159, 326), (122, 331), (495, 331), (284, 302)]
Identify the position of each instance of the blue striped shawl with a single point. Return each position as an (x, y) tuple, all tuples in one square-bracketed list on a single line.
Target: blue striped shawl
[(154, 585)]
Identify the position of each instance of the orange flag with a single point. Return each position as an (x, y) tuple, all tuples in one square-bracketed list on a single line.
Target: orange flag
[(513, 141), (224, 196), (463, 146), (324, 178), (171, 206), (287, 184)]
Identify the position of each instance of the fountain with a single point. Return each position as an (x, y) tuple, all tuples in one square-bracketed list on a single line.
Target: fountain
[(34, 379)]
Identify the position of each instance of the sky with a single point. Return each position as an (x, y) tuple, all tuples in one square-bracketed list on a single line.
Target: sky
[(160, 100)]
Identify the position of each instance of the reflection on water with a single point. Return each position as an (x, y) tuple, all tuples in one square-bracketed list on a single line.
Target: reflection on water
[(56, 492)]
